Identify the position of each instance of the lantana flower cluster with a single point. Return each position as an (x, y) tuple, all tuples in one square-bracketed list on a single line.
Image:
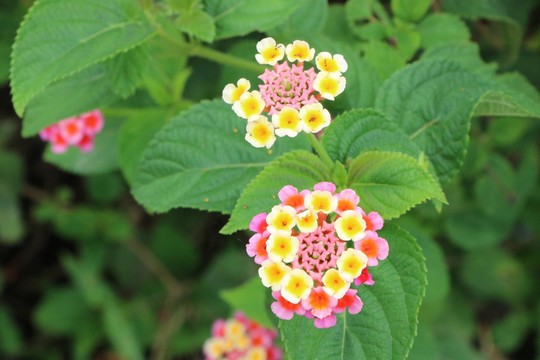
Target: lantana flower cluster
[(77, 131), (312, 248), (241, 338), (290, 94)]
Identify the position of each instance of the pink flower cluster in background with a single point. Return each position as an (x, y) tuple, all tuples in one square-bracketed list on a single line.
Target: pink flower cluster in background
[(240, 338), (312, 248), (74, 131)]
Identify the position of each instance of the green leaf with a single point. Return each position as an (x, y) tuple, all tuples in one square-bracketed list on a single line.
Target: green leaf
[(201, 160), (197, 23), (495, 275), (383, 58), (127, 70), (438, 29), (10, 335), (46, 109), (62, 311), (432, 101), (100, 160), (386, 326), (48, 49), (410, 10), (336, 26), (438, 276), (11, 172), (362, 130), (299, 168), (134, 137), (239, 17), (510, 332), (366, 19), (513, 96), (308, 18), (120, 332), (362, 80), (464, 53), (391, 183), (250, 298), (503, 10)]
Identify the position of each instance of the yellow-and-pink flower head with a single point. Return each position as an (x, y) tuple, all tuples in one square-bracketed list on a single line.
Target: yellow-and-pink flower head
[(290, 94), (241, 338), (312, 248)]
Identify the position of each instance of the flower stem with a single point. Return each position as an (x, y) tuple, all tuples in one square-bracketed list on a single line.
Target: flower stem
[(225, 59), (320, 150)]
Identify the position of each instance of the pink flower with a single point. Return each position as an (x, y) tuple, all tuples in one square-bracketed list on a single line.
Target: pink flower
[(289, 196), (347, 200), (71, 130), (284, 309), (257, 247), (364, 278), (320, 303), (258, 223), (373, 246), (325, 186), (373, 220), (326, 322), (351, 301), (93, 122)]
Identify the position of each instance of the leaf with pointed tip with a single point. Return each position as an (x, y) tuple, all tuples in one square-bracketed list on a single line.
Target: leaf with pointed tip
[(391, 183), (200, 159), (386, 326), (59, 38), (363, 130), (300, 169), (432, 101)]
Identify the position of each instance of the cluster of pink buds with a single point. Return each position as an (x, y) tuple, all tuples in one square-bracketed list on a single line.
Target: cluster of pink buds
[(288, 93), (74, 131), (240, 338), (312, 248)]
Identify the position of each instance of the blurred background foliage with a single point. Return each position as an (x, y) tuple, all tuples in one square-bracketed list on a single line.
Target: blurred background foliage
[(87, 273)]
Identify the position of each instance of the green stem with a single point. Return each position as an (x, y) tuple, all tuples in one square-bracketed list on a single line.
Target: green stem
[(320, 150), (225, 59)]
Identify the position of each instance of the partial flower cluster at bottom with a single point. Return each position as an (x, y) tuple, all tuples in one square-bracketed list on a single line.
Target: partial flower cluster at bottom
[(312, 248), (240, 338), (78, 131)]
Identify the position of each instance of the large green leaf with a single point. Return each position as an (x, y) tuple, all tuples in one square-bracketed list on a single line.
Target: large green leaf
[(362, 80), (467, 54), (386, 326), (437, 29), (432, 101), (64, 98), (61, 37), (11, 172), (134, 137), (239, 17), (391, 183), (300, 169), (100, 160), (410, 10), (201, 160), (384, 58), (513, 95), (308, 18), (362, 130)]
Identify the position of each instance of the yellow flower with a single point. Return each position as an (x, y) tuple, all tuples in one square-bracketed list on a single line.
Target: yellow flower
[(325, 62), (249, 105), (329, 85), (321, 201), (351, 263), (271, 273), (287, 122), (299, 50), (232, 93), (260, 132), (282, 217), (307, 221), (297, 286), (269, 52), (334, 284), (314, 117), (282, 246), (350, 225)]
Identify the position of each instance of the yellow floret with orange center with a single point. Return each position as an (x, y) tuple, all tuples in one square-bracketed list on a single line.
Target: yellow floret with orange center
[(238, 92), (329, 85), (329, 65), (270, 53), (334, 284), (251, 106), (314, 119), (288, 119)]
